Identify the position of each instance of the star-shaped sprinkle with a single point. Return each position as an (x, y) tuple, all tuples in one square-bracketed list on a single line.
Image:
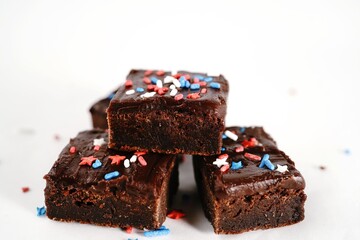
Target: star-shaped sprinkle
[(116, 159), (221, 160), (236, 165), (96, 164), (176, 214), (87, 160), (99, 141), (282, 168)]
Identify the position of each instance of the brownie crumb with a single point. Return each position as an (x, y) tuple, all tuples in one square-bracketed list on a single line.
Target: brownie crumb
[(322, 167)]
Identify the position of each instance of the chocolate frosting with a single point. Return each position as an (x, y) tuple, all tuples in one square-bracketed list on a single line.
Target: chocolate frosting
[(144, 181), (250, 179)]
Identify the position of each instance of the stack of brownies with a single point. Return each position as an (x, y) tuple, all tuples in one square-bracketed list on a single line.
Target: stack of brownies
[(125, 171)]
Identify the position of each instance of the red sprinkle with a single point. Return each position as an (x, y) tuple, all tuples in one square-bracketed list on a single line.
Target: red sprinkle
[(128, 230), (177, 76), (128, 83), (146, 80), (247, 143), (160, 73), (96, 148), (148, 72), (196, 80), (142, 161), (161, 91), (225, 168), (176, 214), (151, 87), (252, 156), (203, 91), (222, 156), (72, 150), (202, 84), (25, 189), (140, 153), (239, 149), (87, 160), (187, 76), (178, 97), (193, 95), (116, 159)]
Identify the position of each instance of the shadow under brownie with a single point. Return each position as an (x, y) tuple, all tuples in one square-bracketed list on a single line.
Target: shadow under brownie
[(90, 183), (252, 185)]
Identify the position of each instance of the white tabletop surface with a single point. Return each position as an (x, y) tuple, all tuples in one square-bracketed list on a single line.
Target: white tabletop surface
[(293, 67)]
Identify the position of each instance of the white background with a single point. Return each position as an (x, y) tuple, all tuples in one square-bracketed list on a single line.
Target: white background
[(293, 67)]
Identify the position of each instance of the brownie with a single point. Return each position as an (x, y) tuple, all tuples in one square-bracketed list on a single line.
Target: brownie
[(181, 113), (251, 185), (98, 112), (90, 183)]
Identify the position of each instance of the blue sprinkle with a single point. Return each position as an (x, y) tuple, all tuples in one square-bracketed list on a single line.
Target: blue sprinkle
[(266, 162), (111, 175), (111, 96), (162, 231), (208, 79), (153, 80), (40, 211), (201, 78), (224, 136), (139, 89), (195, 86), (96, 164), (223, 149), (187, 84), (236, 165), (242, 129), (215, 85), (182, 81)]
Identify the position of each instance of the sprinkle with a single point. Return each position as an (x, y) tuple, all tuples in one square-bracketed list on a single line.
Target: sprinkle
[(172, 86), (176, 214), (266, 162), (98, 141), (195, 86), (182, 81), (215, 85), (176, 83), (173, 92), (178, 97), (96, 148), (252, 156), (236, 165), (169, 79), (242, 129), (187, 84), (116, 159), (159, 83), (140, 89), (25, 189), (146, 80), (193, 95), (142, 161), (162, 91), (128, 230), (196, 80), (221, 161), (111, 175), (151, 87), (162, 231), (231, 135), (111, 96), (239, 149), (249, 143), (222, 156), (202, 84), (187, 76), (148, 72), (40, 211), (133, 158), (153, 80), (129, 92), (223, 149), (160, 73), (201, 78), (224, 168), (282, 168), (203, 91), (140, 153), (126, 163), (148, 94), (208, 79), (72, 150), (224, 136), (177, 76), (87, 160), (128, 83), (96, 164)]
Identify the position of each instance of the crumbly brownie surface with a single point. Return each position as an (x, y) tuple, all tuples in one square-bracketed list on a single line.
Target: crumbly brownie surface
[(172, 114), (90, 183), (239, 194)]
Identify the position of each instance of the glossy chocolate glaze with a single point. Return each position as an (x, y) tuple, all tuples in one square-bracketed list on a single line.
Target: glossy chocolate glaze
[(144, 181), (250, 179)]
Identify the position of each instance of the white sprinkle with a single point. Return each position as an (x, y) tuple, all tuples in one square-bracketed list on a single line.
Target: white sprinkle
[(133, 158), (169, 79), (176, 83), (129, 92), (172, 86), (173, 92), (231, 135), (99, 141), (220, 162), (159, 83), (282, 168), (126, 163), (148, 94)]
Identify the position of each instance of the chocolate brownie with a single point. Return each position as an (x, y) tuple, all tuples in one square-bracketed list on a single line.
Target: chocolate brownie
[(98, 112), (251, 185), (172, 114), (90, 183)]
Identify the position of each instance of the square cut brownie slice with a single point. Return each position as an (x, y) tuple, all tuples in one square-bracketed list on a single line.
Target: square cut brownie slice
[(98, 112), (251, 185), (90, 183), (181, 113)]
